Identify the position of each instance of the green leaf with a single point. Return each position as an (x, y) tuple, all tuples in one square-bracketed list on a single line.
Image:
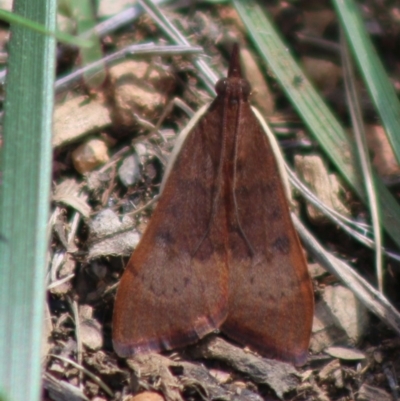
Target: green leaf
[(15, 18), (25, 165), (377, 81)]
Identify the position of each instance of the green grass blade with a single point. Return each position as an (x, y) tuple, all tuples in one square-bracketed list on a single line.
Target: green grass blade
[(85, 21), (356, 114), (315, 113), (25, 165), (379, 86), (14, 18)]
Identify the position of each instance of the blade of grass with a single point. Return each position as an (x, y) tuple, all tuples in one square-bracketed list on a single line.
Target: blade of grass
[(15, 18), (317, 116), (25, 165), (85, 21), (379, 86), (363, 153)]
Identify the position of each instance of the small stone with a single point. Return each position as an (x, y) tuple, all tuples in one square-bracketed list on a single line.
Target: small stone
[(316, 270), (91, 334), (378, 356), (90, 155), (338, 378), (56, 368), (348, 310), (325, 331), (147, 396), (313, 171), (141, 151), (384, 159), (129, 171), (339, 319), (109, 235), (85, 312), (140, 89), (78, 117), (220, 375)]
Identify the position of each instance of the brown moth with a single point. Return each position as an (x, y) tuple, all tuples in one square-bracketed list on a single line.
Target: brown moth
[(220, 251)]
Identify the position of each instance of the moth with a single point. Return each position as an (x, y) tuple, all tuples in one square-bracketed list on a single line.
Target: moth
[(220, 251)]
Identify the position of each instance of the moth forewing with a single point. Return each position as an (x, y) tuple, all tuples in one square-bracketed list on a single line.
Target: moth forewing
[(277, 153), (180, 140)]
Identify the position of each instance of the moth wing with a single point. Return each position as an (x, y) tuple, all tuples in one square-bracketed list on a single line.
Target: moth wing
[(174, 288), (270, 292)]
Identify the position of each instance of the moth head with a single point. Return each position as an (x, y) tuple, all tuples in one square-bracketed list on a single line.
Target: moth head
[(234, 88)]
